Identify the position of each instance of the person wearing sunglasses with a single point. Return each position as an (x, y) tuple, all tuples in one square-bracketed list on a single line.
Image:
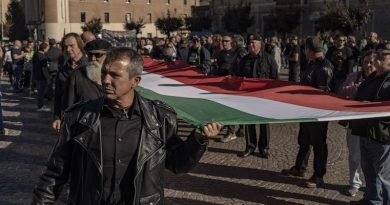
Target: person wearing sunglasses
[(197, 55), (342, 59), (85, 83)]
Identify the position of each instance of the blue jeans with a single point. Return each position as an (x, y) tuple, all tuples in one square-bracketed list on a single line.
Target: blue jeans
[(41, 88), (376, 168), (17, 73)]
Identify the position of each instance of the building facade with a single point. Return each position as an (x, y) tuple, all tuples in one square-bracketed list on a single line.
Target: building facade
[(311, 11), (64, 16)]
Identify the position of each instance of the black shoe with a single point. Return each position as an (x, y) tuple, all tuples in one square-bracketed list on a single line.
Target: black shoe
[(264, 153), (293, 171), (314, 182), (246, 153)]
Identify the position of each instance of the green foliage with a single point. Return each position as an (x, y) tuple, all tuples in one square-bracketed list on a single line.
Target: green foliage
[(237, 19), (166, 25), (346, 20), (15, 21), (284, 21), (94, 25), (137, 26), (198, 23)]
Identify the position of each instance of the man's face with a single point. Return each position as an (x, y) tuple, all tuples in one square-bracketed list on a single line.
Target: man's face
[(386, 62), (72, 48), (294, 41), (196, 43), (116, 80), (340, 41), (227, 43), (97, 55), (372, 37), (368, 65), (254, 47)]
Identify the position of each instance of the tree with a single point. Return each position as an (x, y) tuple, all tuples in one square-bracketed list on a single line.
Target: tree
[(346, 20), (94, 25), (15, 19), (198, 23), (284, 21), (238, 19), (166, 25), (137, 26)]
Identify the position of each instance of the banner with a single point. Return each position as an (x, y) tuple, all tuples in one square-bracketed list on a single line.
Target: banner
[(199, 99), (120, 38)]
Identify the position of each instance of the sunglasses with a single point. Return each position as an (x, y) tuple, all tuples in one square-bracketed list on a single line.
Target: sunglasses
[(226, 40), (97, 55)]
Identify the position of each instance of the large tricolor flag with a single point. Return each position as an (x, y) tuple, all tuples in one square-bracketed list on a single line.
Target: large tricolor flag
[(199, 99)]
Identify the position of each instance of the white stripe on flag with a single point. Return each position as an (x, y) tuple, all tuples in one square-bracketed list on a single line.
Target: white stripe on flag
[(251, 105)]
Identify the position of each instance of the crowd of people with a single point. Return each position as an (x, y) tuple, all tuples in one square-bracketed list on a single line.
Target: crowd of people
[(81, 70)]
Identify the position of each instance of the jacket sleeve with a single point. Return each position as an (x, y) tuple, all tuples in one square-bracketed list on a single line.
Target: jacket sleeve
[(182, 155), (205, 61), (57, 169), (274, 74)]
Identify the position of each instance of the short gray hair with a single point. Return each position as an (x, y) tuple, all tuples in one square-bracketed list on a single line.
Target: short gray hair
[(136, 63)]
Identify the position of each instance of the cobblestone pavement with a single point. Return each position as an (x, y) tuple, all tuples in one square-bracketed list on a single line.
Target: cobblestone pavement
[(220, 178)]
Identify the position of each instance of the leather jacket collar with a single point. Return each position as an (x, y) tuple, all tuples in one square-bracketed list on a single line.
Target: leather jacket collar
[(90, 139)]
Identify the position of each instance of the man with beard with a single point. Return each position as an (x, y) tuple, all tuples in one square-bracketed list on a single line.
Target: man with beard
[(85, 82), (74, 48)]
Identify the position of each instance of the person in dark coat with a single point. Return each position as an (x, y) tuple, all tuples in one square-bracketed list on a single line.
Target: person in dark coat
[(113, 150), (74, 50), (85, 82), (257, 64), (197, 55), (318, 74)]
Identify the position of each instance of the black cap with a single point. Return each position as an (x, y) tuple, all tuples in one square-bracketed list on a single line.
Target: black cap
[(315, 44), (97, 44), (383, 48)]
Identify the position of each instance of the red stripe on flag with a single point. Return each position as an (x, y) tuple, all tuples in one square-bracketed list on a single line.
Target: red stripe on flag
[(283, 91)]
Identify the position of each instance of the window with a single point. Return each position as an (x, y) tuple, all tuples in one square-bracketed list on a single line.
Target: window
[(149, 35), (82, 17), (168, 2), (127, 1), (149, 18), (105, 1), (128, 17), (106, 17), (148, 1), (185, 2)]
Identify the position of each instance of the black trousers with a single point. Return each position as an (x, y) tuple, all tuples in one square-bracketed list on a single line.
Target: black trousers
[(314, 134), (251, 137), (293, 72)]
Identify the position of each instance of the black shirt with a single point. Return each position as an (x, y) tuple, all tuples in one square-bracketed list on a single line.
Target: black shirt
[(121, 129), (342, 61), (39, 62), (226, 60), (17, 51), (294, 49)]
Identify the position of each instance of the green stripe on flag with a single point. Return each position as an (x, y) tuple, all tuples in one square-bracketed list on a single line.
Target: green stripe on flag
[(201, 111)]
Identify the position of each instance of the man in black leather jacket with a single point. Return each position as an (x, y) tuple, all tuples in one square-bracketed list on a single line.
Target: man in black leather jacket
[(114, 149), (318, 74)]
